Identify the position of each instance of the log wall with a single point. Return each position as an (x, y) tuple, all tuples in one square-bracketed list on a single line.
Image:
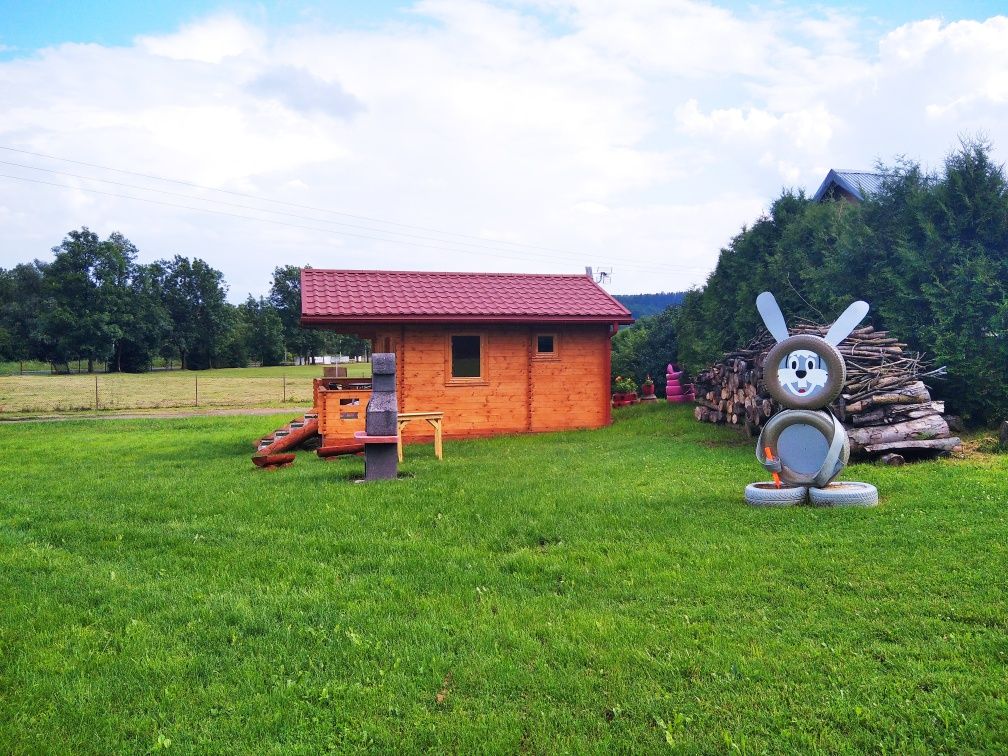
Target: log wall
[(518, 391)]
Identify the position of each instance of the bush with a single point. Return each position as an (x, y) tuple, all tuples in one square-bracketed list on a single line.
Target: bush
[(928, 252), (646, 348)]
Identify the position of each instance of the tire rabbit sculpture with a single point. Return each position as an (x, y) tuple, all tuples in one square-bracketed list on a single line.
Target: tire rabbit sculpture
[(804, 446)]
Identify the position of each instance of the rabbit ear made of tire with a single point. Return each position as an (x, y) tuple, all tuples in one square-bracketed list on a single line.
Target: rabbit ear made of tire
[(846, 323), (772, 316)]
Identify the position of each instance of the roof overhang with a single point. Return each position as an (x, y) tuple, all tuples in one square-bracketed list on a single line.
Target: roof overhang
[(350, 323)]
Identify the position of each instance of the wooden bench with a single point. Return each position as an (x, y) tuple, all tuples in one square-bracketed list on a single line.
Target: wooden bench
[(434, 418)]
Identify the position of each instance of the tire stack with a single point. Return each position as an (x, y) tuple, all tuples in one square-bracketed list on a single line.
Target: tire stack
[(805, 446), (675, 392)]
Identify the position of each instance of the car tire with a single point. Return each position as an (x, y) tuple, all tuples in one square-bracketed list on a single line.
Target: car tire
[(769, 495), (844, 494), (822, 421), (807, 342)]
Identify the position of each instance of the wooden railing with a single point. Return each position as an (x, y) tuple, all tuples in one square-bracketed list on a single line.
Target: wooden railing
[(341, 411)]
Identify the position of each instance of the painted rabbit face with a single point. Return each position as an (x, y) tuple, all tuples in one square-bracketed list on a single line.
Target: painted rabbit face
[(806, 371), (803, 373)]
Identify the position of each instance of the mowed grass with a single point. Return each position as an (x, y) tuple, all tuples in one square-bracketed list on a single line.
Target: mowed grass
[(602, 591), (174, 389)]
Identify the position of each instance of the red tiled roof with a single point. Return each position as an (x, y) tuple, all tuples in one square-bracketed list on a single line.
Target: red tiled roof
[(382, 296)]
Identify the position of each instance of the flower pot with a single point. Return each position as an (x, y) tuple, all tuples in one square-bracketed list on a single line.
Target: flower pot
[(647, 389)]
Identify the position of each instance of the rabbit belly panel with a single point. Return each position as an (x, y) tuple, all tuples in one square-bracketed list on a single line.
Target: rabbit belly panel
[(802, 448)]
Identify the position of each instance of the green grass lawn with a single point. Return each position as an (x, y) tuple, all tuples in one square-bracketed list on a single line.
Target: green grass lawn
[(22, 395), (602, 591)]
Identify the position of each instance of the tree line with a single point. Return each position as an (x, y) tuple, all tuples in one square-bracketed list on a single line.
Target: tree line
[(646, 305), (929, 253), (95, 302)]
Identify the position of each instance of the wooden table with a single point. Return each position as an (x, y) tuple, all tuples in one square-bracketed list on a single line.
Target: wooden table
[(434, 418)]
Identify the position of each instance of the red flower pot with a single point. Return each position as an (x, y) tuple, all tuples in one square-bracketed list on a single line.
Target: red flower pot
[(622, 400)]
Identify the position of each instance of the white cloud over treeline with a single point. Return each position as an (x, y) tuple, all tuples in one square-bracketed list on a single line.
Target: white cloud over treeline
[(639, 136)]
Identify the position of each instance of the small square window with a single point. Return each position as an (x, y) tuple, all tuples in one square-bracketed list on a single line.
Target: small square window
[(545, 344), (465, 356)]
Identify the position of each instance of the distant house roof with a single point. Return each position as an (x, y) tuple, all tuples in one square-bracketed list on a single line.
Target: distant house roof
[(851, 185), (331, 297)]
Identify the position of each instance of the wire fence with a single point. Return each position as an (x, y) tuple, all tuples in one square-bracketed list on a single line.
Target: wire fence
[(37, 394)]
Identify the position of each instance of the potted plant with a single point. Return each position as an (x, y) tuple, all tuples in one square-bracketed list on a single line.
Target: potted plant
[(647, 388), (626, 391)]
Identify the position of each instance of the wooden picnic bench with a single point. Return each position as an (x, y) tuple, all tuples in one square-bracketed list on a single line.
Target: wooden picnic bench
[(434, 418)]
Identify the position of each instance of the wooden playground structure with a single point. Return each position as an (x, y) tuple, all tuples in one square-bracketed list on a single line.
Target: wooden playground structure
[(338, 407), (337, 415)]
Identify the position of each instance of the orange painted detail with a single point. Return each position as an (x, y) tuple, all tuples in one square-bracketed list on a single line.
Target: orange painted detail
[(770, 458)]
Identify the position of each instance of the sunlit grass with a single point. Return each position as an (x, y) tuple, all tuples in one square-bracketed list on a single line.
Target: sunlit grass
[(600, 591), (176, 389)]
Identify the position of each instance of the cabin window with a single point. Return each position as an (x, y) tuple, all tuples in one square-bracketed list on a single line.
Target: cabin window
[(466, 356), (545, 345)]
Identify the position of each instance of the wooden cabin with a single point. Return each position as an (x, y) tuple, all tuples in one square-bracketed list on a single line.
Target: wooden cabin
[(496, 353)]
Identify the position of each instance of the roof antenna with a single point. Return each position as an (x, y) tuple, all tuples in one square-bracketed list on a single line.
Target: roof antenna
[(604, 274)]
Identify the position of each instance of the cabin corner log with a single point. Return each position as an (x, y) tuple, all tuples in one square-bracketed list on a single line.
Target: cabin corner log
[(885, 405)]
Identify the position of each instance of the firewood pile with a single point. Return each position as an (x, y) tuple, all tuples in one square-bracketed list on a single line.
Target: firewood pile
[(885, 405)]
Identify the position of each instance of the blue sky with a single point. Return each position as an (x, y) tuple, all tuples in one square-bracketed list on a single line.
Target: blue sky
[(27, 26)]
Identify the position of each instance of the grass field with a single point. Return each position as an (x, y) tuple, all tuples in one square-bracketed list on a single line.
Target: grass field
[(229, 387), (599, 591)]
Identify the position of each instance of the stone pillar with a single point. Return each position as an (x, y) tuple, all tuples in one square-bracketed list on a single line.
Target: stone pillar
[(381, 460)]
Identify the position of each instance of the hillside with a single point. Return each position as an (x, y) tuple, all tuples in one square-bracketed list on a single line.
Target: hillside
[(643, 305)]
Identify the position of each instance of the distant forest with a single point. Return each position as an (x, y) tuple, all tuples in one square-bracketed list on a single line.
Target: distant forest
[(95, 302), (645, 305)]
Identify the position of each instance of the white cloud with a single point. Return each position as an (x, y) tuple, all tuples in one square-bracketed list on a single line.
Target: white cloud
[(209, 41), (638, 136)]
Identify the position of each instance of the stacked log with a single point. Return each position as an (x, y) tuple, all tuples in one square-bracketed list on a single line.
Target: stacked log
[(885, 405)]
